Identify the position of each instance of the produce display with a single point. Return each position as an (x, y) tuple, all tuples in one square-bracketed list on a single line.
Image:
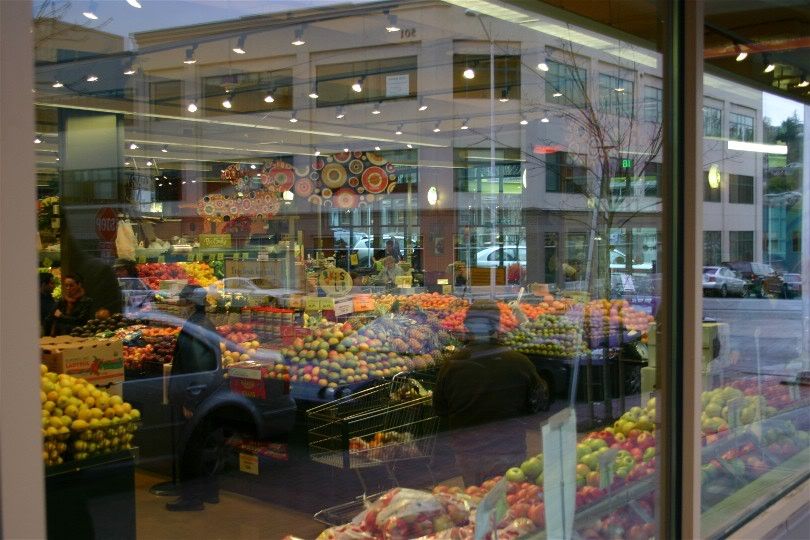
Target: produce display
[(333, 354), (554, 307), (601, 319), (454, 322), (199, 273), (163, 341), (81, 421), (548, 335), (135, 357), (196, 273), (101, 327), (238, 332), (385, 446)]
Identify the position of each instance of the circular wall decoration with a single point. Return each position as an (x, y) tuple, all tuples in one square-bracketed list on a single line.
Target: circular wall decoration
[(346, 198), (375, 180), (356, 166), (333, 175)]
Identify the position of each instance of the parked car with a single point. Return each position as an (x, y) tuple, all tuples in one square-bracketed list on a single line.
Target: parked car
[(761, 279), (492, 256), (722, 281), (794, 284), (137, 295), (249, 288)]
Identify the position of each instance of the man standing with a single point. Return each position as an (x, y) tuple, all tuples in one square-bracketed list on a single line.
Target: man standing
[(481, 396)]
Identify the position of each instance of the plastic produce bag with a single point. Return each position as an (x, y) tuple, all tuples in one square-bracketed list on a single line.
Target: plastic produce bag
[(125, 241)]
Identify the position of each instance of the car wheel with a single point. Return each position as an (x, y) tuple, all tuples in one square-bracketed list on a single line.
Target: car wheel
[(723, 291)]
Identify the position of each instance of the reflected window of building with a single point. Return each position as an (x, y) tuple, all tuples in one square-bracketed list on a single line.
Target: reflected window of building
[(566, 173), (566, 85), (741, 245), (653, 104), (366, 81), (247, 92), (471, 76), (616, 95), (740, 189), (712, 121), (474, 174), (712, 248), (740, 127)]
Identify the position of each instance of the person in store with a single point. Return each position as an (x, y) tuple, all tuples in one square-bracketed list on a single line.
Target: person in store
[(46, 302), (124, 268), (392, 250), (73, 310), (460, 278), (388, 275), (195, 375), (483, 395)]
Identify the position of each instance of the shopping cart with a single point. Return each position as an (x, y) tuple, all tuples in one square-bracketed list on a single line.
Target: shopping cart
[(378, 427)]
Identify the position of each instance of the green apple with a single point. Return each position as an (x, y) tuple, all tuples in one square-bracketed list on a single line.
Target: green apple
[(539, 480), (514, 474), (591, 461), (596, 444), (649, 453), (622, 472), (582, 450), (531, 467)]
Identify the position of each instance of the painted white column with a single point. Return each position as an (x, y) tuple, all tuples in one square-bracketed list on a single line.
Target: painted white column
[(22, 503)]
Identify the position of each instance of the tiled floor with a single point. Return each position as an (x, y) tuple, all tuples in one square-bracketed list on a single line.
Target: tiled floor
[(235, 517)]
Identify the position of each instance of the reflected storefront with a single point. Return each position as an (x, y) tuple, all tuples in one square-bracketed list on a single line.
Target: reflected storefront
[(421, 269)]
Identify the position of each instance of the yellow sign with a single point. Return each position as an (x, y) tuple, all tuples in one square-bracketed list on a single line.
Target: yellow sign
[(355, 260), (403, 282), (249, 463), (312, 303), (215, 241), (327, 303), (335, 282)]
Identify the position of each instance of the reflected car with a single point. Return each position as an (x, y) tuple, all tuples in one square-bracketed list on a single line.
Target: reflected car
[(722, 282), (491, 256), (248, 287), (793, 282), (137, 295), (761, 279)]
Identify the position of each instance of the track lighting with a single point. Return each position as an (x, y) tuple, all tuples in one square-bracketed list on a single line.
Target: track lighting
[(240, 45), (299, 38)]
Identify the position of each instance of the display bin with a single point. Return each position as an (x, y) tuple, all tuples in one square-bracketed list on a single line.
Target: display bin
[(94, 498)]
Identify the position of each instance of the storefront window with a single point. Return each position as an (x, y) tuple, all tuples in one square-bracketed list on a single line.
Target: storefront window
[(397, 270)]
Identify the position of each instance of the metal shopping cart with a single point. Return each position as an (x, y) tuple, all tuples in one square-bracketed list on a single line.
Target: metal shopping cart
[(378, 427)]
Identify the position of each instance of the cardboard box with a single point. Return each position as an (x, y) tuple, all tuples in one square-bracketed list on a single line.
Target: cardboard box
[(254, 381), (98, 361)]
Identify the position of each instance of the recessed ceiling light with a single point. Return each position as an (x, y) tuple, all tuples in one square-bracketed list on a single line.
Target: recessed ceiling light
[(523, 121), (741, 56), (294, 117), (164, 148), (392, 24), (240, 46), (57, 84), (192, 107), (377, 148), (37, 140), (299, 38), (469, 73), (358, 85), (133, 146), (464, 125), (542, 66)]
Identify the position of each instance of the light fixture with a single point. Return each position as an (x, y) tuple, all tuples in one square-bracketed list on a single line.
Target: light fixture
[(345, 149), (504, 95), (160, 185), (422, 105), (130, 70), (294, 117), (769, 66), (192, 107), (253, 166), (542, 66), (299, 38), (57, 159), (805, 82), (399, 130), (376, 148), (240, 45), (464, 125), (133, 146), (619, 89), (268, 98), (741, 55), (183, 182), (190, 55), (148, 162), (523, 178), (313, 94), (432, 196), (469, 73), (92, 78), (90, 12), (376, 109), (227, 101), (164, 148), (409, 145), (714, 176), (392, 23), (436, 128), (193, 181), (37, 140), (557, 94), (288, 195), (358, 85), (126, 164), (57, 84), (339, 113), (523, 122), (544, 119), (317, 152), (134, 3)]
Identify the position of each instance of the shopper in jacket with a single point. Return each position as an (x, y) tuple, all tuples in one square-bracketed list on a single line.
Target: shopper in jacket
[(483, 395), (46, 302), (195, 375), (389, 273), (73, 310)]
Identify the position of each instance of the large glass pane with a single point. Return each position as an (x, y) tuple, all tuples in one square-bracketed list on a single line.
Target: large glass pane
[(754, 407), (390, 269)]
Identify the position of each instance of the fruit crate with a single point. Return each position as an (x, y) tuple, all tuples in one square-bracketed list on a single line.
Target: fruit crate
[(392, 421)]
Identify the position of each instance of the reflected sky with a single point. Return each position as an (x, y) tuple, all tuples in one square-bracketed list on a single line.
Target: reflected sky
[(118, 17)]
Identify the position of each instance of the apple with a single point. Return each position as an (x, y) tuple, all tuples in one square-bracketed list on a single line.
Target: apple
[(645, 440), (540, 479), (514, 474), (591, 461), (582, 469), (623, 471), (649, 453), (582, 449), (532, 467), (597, 443), (636, 453), (593, 479), (619, 437)]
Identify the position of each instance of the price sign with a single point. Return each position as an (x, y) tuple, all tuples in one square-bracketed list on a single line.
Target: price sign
[(344, 306), (335, 282), (245, 255), (491, 510), (249, 463), (312, 303), (296, 301), (559, 480), (606, 467), (363, 302), (355, 260), (327, 303)]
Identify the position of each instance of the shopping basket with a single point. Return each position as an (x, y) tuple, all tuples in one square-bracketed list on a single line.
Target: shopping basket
[(393, 421)]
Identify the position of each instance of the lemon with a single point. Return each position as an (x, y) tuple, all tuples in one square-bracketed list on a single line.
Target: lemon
[(78, 426)]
